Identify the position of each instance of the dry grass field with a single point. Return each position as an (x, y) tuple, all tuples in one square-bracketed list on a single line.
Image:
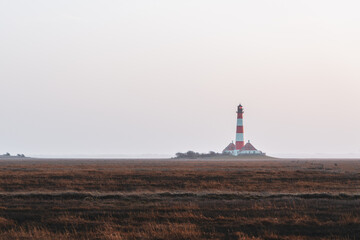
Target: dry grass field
[(179, 199)]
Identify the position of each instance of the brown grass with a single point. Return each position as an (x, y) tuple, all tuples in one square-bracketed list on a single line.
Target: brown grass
[(171, 199)]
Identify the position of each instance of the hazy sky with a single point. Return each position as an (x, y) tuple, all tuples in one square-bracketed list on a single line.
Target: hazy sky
[(140, 77)]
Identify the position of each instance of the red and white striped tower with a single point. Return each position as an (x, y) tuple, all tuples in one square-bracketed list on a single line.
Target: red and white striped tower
[(239, 128)]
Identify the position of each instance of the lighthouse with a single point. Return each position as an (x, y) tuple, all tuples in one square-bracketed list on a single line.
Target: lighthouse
[(240, 148), (239, 129)]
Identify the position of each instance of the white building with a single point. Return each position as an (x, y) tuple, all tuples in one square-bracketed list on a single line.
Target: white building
[(247, 149)]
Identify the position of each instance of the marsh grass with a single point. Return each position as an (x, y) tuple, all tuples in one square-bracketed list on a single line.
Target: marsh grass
[(171, 199)]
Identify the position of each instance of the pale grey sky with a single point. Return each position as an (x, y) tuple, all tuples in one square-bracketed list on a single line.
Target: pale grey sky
[(140, 77)]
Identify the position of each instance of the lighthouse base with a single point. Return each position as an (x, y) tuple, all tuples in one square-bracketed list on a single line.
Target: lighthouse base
[(248, 149), (247, 152)]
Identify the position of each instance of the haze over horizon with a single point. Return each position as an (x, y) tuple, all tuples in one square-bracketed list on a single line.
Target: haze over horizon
[(160, 77)]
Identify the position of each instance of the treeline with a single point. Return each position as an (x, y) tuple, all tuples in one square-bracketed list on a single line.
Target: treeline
[(9, 155), (194, 155)]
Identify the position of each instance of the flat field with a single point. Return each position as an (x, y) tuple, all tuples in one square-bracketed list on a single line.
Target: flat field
[(180, 199)]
